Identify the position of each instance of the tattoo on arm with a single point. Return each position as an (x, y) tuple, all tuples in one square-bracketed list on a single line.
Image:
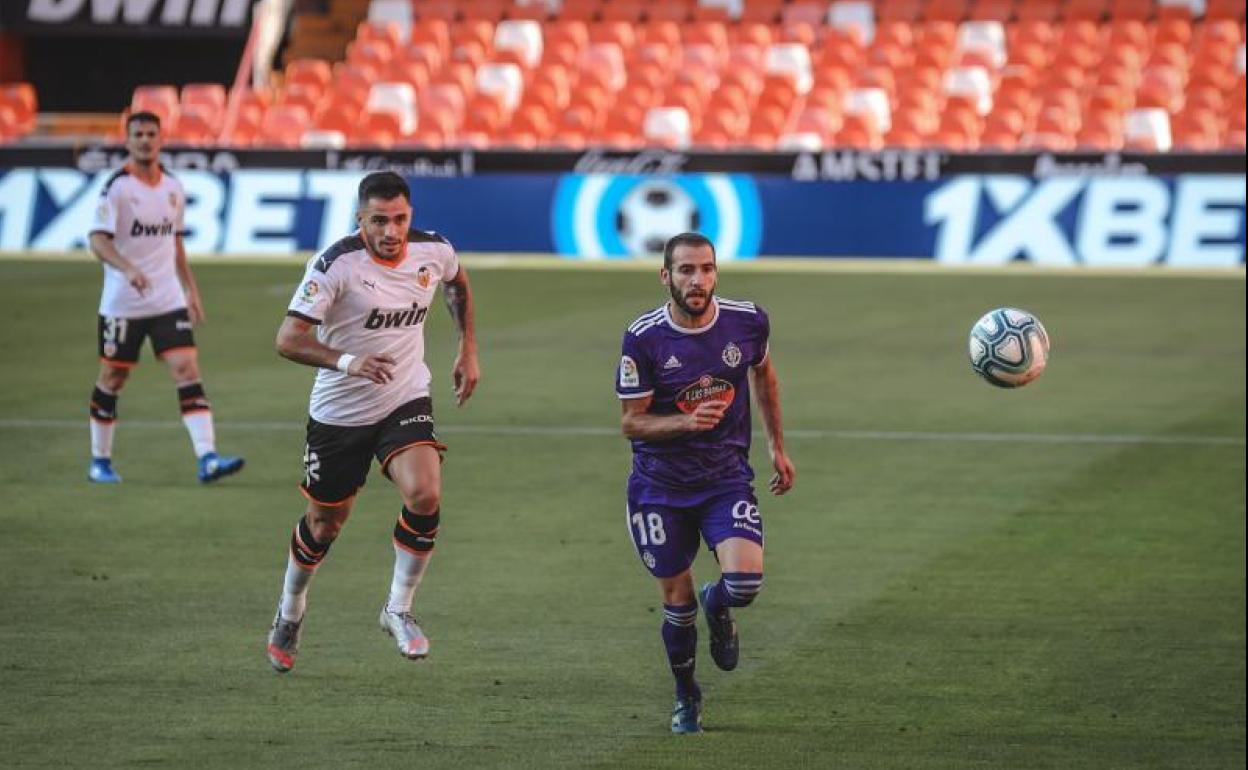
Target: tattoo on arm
[(457, 302)]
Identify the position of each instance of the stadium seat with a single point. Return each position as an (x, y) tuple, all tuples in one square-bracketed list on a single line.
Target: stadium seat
[(397, 99), (21, 105), (392, 12), (522, 36), (1147, 130), (871, 105), (985, 38), (971, 82), (283, 126), (856, 17)]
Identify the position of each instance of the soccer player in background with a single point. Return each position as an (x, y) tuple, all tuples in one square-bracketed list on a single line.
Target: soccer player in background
[(149, 291), (359, 316), (684, 381)]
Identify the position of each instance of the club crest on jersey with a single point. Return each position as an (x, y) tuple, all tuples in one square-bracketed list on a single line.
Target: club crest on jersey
[(707, 388), (422, 277), (307, 294), (173, 199), (628, 373), (732, 354), (390, 319)]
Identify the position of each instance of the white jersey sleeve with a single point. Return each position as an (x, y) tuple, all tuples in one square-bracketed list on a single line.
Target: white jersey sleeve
[(315, 293), (105, 218), (450, 262)]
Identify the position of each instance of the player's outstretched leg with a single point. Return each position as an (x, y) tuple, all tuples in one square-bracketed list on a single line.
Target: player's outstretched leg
[(414, 538), (306, 554), (734, 589), (680, 639)]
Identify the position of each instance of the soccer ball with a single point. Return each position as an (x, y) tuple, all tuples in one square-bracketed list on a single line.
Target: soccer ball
[(1009, 347), (652, 212)]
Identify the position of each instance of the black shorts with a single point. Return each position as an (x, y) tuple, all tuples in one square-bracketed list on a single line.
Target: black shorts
[(336, 459), (121, 339)]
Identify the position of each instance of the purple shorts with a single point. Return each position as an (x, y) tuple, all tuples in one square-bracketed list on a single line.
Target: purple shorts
[(666, 536)]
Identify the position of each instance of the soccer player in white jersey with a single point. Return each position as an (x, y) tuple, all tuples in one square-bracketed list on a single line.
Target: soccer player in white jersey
[(359, 315), (149, 291)]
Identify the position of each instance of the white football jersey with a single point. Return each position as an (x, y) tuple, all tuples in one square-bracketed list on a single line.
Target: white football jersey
[(145, 222), (364, 305)]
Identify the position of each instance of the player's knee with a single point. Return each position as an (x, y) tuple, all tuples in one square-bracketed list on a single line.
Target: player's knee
[(112, 378), (742, 588), (325, 531), (185, 370), (423, 501)]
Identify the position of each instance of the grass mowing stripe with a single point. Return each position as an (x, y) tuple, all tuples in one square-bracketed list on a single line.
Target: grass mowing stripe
[(797, 433)]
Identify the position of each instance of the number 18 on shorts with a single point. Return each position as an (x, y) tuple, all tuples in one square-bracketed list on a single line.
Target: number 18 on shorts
[(667, 536)]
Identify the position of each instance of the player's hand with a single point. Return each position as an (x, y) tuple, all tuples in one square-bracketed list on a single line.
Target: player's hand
[(195, 309), (377, 367), (706, 415), (465, 375), (785, 474), (138, 279)]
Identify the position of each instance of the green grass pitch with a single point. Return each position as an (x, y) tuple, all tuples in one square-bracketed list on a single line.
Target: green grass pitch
[(941, 593)]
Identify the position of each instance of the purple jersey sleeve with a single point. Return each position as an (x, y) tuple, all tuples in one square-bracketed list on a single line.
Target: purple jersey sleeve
[(634, 377), (764, 335)]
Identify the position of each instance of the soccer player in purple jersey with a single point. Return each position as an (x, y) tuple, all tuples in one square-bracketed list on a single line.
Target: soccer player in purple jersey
[(684, 381)]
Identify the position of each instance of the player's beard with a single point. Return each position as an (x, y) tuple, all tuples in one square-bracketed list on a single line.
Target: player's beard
[(679, 298), (374, 245)]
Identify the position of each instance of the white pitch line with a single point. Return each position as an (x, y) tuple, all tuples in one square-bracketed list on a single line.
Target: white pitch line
[(597, 430)]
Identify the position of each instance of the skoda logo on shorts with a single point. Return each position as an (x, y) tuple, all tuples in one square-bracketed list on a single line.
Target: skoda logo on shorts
[(613, 216)]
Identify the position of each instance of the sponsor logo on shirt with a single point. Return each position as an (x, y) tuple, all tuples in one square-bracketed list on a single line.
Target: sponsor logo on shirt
[(707, 388), (380, 318), (628, 373), (141, 228)]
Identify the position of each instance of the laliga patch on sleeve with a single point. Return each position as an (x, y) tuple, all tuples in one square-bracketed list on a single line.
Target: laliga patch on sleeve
[(628, 373), (308, 292)]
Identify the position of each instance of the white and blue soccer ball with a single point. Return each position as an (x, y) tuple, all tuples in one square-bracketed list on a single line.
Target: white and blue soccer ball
[(1009, 347), (652, 212)]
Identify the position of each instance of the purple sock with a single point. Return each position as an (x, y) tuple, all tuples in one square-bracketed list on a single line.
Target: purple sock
[(680, 638), (734, 589)]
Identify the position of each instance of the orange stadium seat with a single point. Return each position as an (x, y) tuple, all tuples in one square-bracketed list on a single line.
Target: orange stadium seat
[(21, 105)]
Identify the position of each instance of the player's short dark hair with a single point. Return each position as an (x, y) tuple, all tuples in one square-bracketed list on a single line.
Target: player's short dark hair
[(142, 117), (684, 239), (384, 185)]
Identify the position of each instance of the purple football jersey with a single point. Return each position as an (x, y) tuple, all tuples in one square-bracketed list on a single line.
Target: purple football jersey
[(681, 368)]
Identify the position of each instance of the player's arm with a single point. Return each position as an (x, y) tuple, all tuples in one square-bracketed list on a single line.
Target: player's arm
[(105, 250), (639, 424), (766, 386), (193, 305), (457, 293), (296, 341)]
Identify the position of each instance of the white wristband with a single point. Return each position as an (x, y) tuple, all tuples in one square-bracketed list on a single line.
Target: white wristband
[(344, 363)]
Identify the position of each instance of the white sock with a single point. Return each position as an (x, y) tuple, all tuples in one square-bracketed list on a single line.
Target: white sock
[(409, 568), (295, 590), (102, 438), (199, 425)]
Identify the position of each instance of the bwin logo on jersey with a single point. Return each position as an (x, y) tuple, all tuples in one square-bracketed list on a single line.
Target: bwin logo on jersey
[(389, 319), (612, 216), (140, 228)]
